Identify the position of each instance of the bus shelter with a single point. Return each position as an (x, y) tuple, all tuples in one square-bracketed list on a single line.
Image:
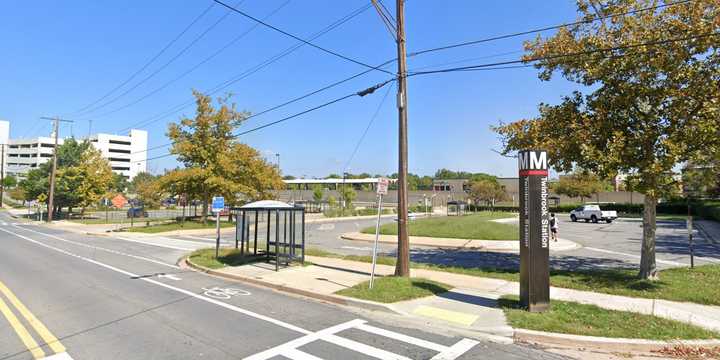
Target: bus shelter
[(271, 229), (456, 207)]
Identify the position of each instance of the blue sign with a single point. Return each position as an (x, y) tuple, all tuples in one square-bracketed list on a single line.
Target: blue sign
[(218, 204)]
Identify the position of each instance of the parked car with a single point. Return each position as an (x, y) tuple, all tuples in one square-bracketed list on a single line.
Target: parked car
[(592, 213), (137, 212)]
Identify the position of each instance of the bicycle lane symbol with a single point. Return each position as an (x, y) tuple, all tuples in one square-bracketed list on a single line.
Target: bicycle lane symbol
[(224, 293)]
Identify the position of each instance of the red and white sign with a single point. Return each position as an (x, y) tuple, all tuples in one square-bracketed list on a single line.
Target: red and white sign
[(382, 186), (119, 201)]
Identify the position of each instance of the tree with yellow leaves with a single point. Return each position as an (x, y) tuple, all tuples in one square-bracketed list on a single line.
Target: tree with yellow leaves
[(651, 100)]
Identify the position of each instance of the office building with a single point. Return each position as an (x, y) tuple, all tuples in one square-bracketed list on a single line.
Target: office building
[(127, 154)]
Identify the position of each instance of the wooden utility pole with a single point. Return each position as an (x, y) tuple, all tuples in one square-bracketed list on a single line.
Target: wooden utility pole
[(402, 267), (51, 198)]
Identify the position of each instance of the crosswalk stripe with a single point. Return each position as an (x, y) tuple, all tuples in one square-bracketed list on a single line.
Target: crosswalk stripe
[(402, 337)]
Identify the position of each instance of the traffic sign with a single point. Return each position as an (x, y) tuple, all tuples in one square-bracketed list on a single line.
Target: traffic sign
[(382, 186), (218, 204), (119, 201)]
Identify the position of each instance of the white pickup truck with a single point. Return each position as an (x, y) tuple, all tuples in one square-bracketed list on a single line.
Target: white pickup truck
[(592, 213)]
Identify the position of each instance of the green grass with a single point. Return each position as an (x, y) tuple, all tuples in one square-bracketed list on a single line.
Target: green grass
[(101, 220), (475, 226), (698, 285), (393, 289), (188, 225), (228, 257), (590, 320)]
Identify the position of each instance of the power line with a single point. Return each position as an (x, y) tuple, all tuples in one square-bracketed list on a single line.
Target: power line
[(361, 93), (551, 57), (158, 70), (466, 60), (267, 62), (586, 21), (301, 39), (162, 51), (301, 97), (367, 128), (195, 67)]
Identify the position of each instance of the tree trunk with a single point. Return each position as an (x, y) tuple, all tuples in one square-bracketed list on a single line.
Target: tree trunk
[(205, 209), (648, 269)]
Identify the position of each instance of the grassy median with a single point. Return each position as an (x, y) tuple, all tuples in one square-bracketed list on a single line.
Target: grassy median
[(391, 289), (698, 285), (589, 320), (173, 226), (474, 226), (228, 257)]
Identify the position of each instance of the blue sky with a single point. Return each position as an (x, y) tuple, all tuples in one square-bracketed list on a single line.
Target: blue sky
[(56, 57)]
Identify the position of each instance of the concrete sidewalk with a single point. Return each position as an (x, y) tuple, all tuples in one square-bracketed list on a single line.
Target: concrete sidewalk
[(471, 304), (454, 243)]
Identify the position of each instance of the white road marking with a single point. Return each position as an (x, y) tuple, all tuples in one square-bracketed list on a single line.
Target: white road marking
[(169, 276), (290, 349), (328, 335), (356, 248), (296, 354), (198, 237), (362, 348), (667, 262), (61, 356), (456, 350), (103, 249), (326, 227), (224, 293), (154, 244), (169, 287), (402, 337)]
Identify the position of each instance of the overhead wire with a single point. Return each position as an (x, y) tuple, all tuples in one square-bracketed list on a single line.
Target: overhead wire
[(361, 93), (263, 64), (556, 56), (195, 67), (331, 52), (367, 128), (149, 62), (158, 70), (543, 29)]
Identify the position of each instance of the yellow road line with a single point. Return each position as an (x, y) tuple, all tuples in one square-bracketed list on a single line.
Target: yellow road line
[(446, 315), (43, 331), (21, 331)]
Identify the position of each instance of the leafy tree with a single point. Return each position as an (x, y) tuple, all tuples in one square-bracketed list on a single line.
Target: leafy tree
[(582, 184), (348, 195), (9, 181), (119, 183), (17, 193), (333, 176), (36, 182), (94, 174), (332, 202), (215, 162), (147, 188), (645, 108), (488, 191), (318, 193)]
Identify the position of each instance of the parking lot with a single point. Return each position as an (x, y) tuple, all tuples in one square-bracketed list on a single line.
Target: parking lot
[(614, 245)]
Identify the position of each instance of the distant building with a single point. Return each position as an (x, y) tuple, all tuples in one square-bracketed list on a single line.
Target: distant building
[(451, 185), (127, 154)]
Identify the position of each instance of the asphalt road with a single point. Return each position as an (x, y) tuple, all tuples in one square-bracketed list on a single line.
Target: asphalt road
[(86, 297)]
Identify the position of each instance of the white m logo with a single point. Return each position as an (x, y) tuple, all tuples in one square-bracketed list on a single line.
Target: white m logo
[(532, 160)]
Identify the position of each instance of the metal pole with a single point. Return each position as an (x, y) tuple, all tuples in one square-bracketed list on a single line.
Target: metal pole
[(690, 237), (375, 245), (402, 267), (217, 238)]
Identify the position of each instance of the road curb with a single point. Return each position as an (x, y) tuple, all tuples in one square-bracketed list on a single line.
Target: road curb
[(334, 299), (617, 344)]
